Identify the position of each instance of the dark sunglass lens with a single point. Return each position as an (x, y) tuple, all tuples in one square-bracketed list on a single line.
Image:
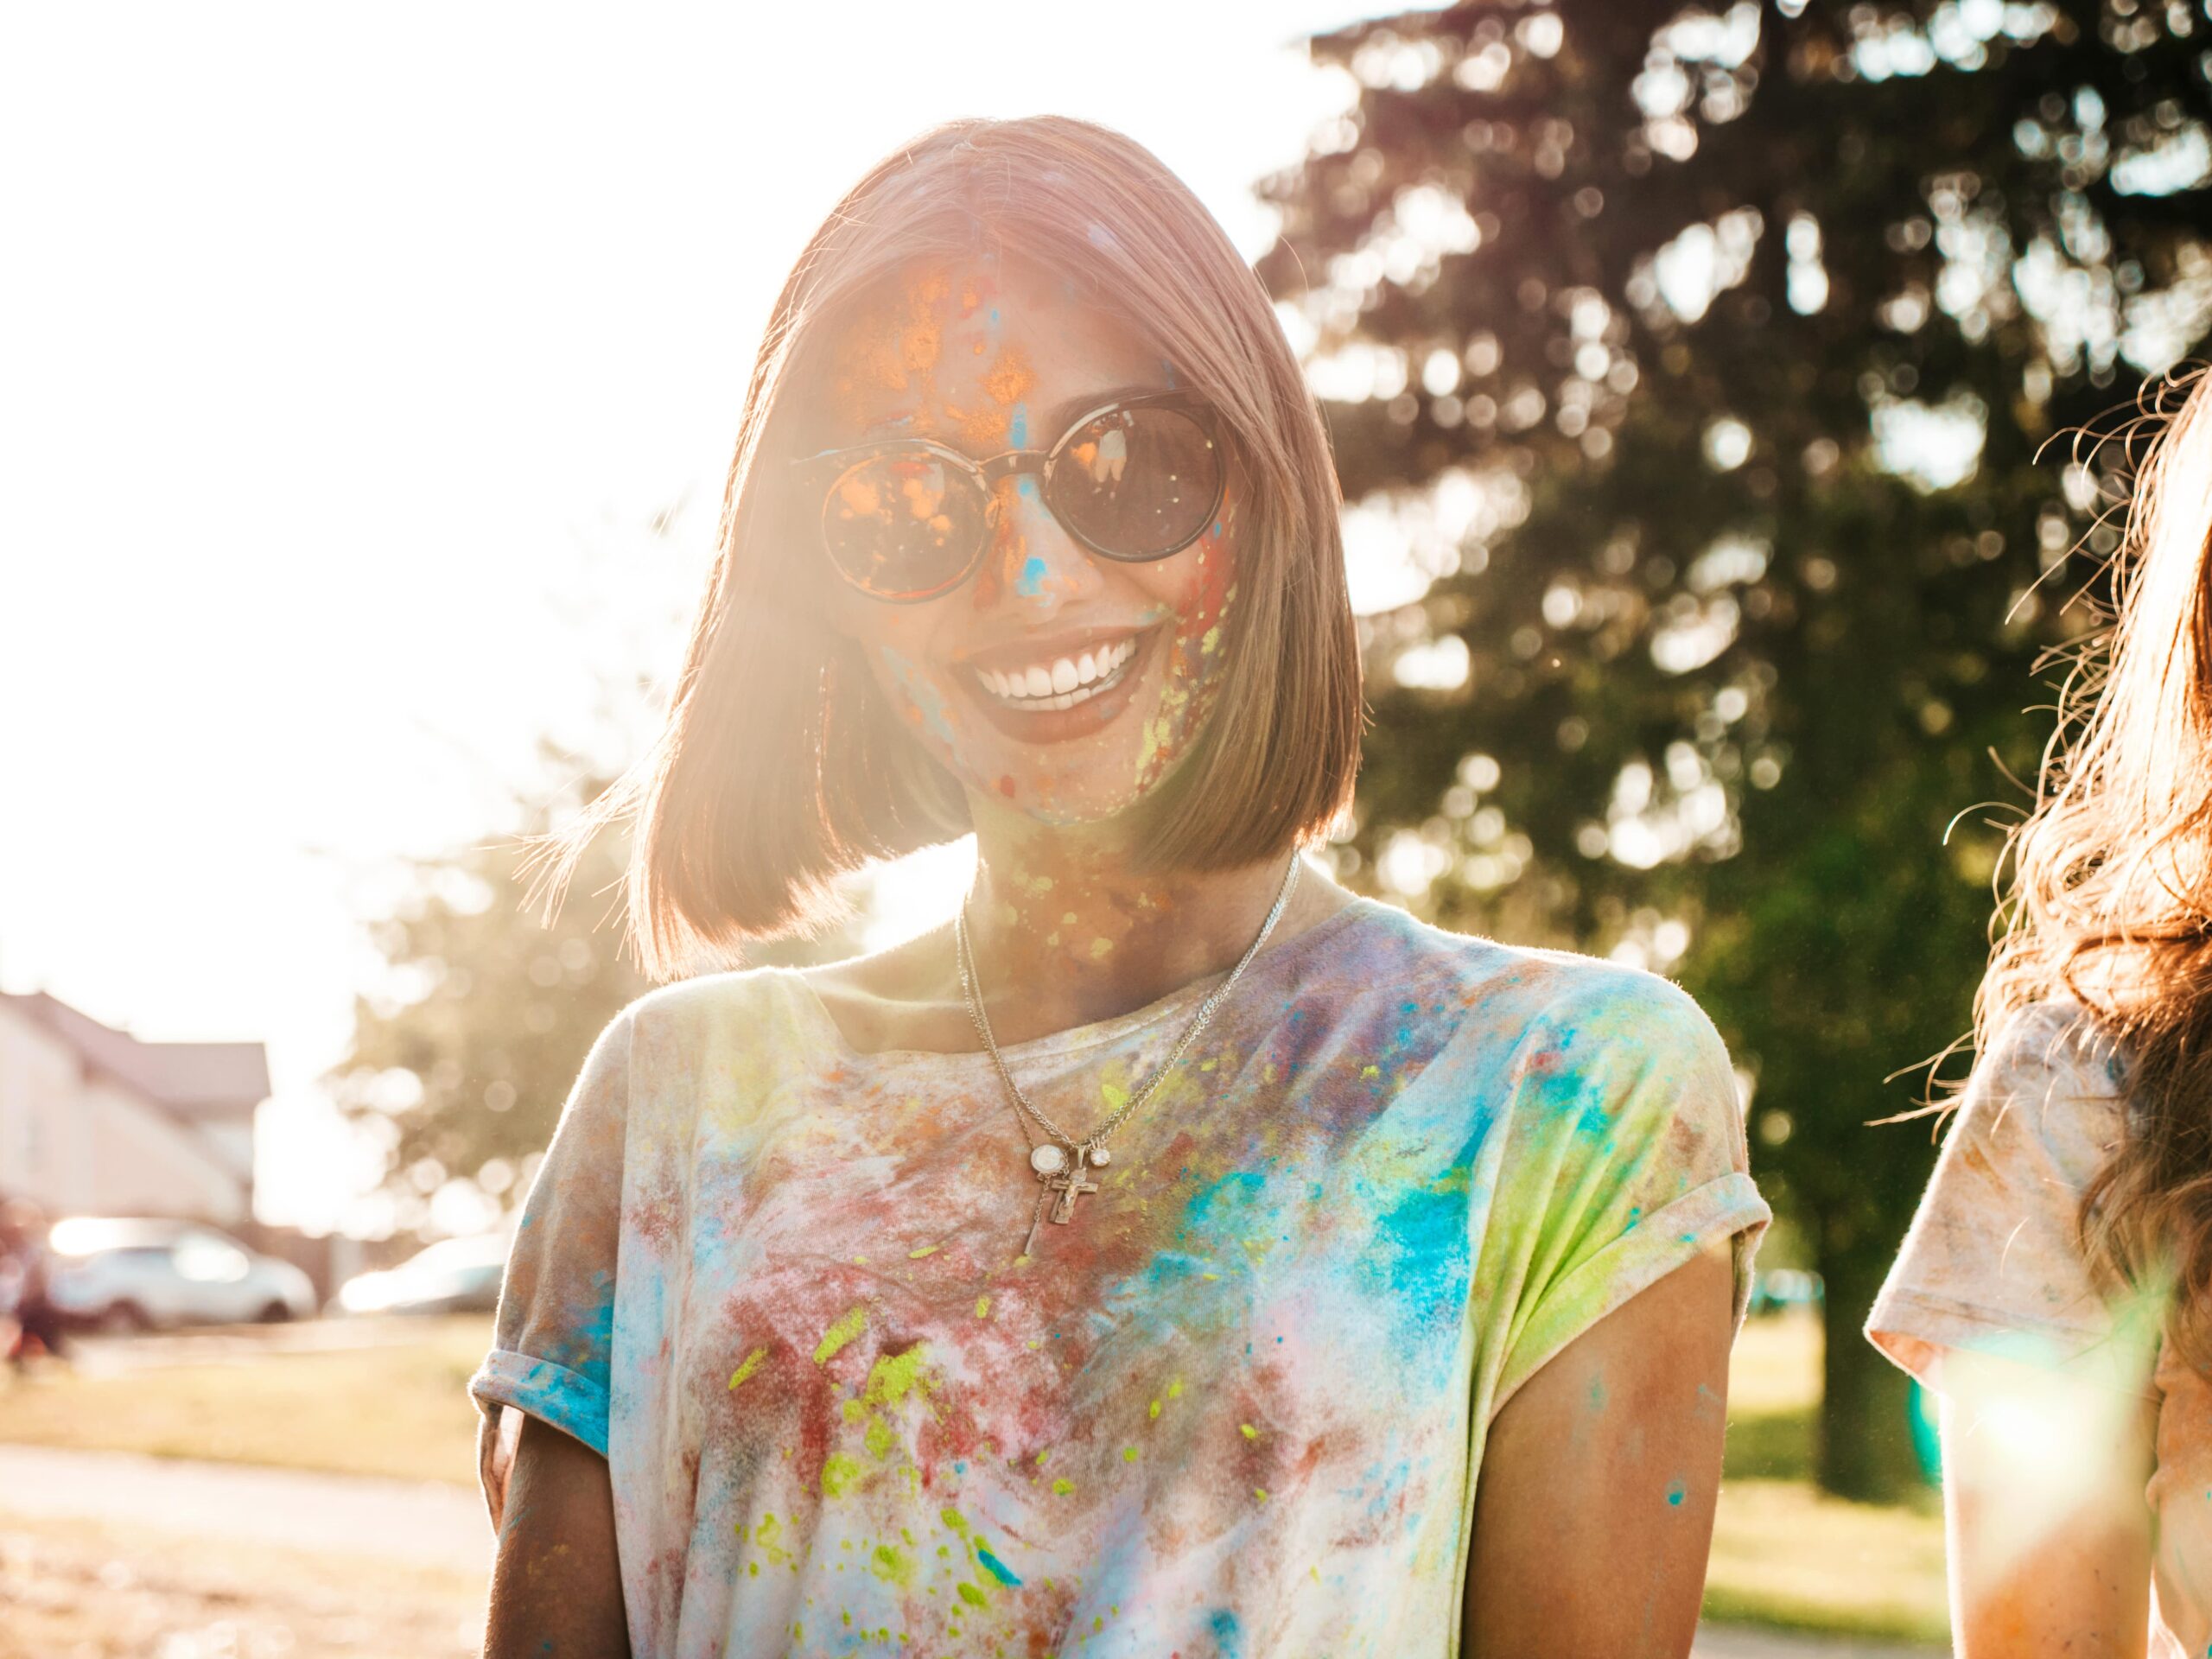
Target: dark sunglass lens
[(1138, 483), (902, 526)]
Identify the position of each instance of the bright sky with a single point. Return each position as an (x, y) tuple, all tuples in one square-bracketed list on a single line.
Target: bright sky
[(344, 351)]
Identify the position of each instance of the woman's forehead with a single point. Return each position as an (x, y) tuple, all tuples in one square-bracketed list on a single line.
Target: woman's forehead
[(976, 352)]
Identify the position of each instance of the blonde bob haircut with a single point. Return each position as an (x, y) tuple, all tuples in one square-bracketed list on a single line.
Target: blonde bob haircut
[(780, 765)]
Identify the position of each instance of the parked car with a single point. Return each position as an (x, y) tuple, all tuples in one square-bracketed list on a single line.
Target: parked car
[(454, 1275), (125, 1275)]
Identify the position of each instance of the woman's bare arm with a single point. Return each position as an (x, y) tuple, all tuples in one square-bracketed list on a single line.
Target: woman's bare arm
[(2049, 1534), (1594, 1514), (557, 1588)]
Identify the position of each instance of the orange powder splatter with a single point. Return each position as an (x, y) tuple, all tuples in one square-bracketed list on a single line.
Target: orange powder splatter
[(888, 345), (1006, 382)]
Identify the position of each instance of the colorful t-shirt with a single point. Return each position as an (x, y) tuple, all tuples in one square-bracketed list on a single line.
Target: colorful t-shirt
[(1236, 1406), (1993, 1265)]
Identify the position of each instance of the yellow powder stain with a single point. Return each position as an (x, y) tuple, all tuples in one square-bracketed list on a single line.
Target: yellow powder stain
[(1208, 1275), (982, 1307), (854, 1410), (749, 1365), (769, 1536), (1114, 1095), (926, 1250), (1155, 1412), (894, 1376), (1067, 919), (1251, 1433), (1041, 1456), (1370, 1070), (880, 1439), (1128, 1454), (1062, 1488), (840, 1474), (1175, 1388), (969, 1592), (891, 1565), (839, 1334), (1100, 947), (1261, 1493), (1211, 640)]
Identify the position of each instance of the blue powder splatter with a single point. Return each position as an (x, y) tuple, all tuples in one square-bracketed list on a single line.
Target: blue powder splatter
[(1676, 1493), (997, 1568), (1017, 426), (1031, 582), (1227, 1633)]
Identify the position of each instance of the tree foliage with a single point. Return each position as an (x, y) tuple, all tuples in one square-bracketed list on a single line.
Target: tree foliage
[(463, 1055), (1698, 364)]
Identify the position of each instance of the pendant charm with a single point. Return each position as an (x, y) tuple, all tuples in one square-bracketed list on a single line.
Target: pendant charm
[(1070, 1186), (1047, 1160)]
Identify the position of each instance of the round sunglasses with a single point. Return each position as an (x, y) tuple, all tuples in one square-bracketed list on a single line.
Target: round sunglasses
[(910, 520)]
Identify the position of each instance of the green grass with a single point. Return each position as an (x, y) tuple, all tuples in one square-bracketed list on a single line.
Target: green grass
[(1783, 1554), (400, 1410)]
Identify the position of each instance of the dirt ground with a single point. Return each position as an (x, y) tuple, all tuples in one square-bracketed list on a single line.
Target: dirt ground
[(76, 1589)]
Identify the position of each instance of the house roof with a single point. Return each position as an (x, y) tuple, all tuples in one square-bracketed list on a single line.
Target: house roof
[(196, 1081)]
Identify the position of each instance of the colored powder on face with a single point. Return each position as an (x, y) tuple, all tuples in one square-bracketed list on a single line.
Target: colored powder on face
[(1062, 1488), (747, 1366), (997, 1568), (1031, 582), (1676, 1493), (839, 1334), (982, 1307), (973, 1597)]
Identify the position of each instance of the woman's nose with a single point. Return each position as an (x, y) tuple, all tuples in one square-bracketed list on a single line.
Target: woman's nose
[(1034, 564)]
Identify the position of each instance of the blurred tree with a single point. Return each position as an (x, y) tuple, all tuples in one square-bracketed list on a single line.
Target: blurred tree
[(1697, 363), (464, 1055)]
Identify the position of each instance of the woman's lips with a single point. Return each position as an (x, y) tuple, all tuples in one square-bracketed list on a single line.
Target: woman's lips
[(1045, 724)]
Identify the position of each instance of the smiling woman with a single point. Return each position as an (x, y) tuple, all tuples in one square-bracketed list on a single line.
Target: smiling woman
[(1175, 1254)]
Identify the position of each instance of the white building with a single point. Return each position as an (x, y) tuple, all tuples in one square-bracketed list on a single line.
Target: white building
[(93, 1121)]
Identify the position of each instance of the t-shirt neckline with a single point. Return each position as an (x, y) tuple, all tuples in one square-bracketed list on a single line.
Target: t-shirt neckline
[(1270, 962)]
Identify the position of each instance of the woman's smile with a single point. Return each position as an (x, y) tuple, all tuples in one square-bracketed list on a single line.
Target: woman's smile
[(1059, 686)]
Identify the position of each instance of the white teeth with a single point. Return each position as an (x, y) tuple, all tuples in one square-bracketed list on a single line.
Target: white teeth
[(1067, 682)]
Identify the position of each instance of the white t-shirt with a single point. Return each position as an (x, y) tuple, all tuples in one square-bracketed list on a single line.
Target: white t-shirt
[(1993, 1265)]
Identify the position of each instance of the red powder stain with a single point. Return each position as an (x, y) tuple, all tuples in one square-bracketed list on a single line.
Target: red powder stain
[(1007, 787)]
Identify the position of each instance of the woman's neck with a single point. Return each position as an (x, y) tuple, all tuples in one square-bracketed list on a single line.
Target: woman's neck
[(1067, 931)]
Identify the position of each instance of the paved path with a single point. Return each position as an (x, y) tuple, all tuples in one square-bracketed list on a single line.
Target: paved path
[(431, 1523), (423, 1521)]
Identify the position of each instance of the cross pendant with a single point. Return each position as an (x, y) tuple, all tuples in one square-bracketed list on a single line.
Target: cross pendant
[(1071, 1186)]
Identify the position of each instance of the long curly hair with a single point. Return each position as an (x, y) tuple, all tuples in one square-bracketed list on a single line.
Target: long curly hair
[(2110, 900)]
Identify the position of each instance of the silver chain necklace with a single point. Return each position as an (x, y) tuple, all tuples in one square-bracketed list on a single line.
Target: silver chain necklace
[(1060, 1160)]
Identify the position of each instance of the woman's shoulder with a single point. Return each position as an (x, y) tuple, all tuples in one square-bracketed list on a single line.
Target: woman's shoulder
[(757, 1008), (2051, 1084), (1553, 994), (2058, 1042)]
